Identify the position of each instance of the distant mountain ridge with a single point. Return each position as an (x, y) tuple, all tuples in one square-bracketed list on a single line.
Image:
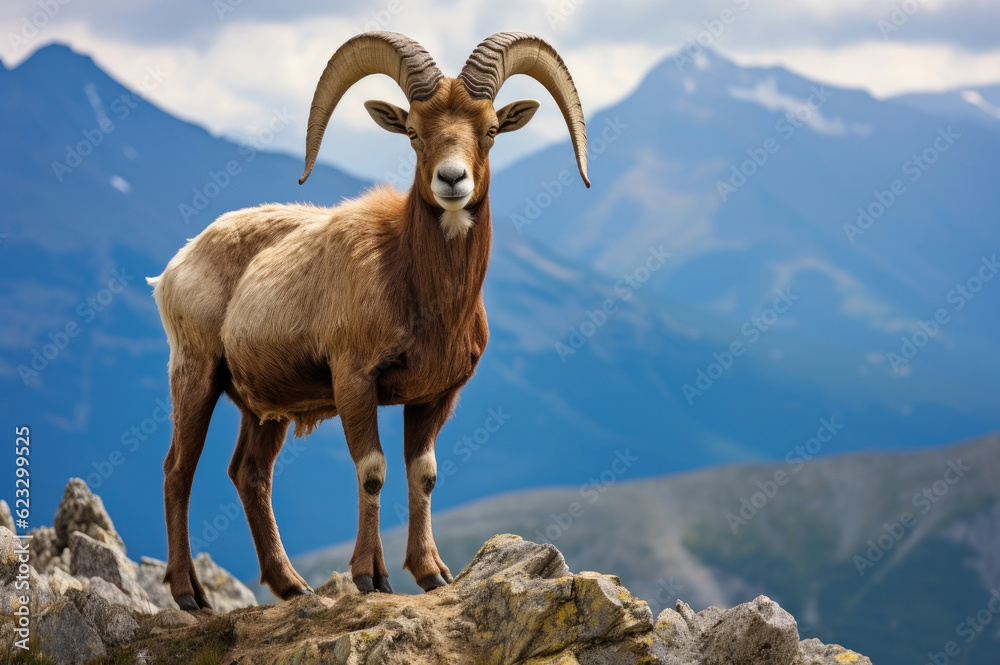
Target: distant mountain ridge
[(859, 547), (97, 402)]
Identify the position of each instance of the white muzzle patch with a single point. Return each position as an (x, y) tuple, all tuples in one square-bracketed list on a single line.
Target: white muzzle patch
[(452, 185)]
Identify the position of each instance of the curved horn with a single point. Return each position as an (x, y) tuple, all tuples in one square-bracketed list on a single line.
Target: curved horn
[(504, 54), (388, 53)]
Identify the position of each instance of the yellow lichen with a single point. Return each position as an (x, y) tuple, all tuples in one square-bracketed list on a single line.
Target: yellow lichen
[(847, 656)]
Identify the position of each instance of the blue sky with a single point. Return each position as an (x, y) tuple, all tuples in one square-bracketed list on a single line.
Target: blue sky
[(234, 65)]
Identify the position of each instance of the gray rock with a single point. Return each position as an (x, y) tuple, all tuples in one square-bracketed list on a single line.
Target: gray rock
[(225, 592), (754, 633), (171, 618), (522, 596), (80, 510), (814, 652), (61, 582), (339, 584), (516, 602), (511, 555), (65, 636), (114, 623), (38, 593), (11, 551), (92, 558), (46, 556), (11, 599), (112, 594), (675, 631), (6, 519), (150, 578)]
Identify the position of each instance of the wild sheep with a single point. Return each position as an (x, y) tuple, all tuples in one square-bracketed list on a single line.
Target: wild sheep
[(301, 313)]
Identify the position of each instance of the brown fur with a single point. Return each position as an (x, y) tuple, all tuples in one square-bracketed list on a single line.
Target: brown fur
[(301, 313)]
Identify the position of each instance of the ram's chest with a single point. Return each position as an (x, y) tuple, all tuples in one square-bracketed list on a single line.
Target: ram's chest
[(422, 374)]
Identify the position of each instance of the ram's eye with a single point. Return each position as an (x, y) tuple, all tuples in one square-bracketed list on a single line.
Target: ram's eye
[(411, 133), (491, 132)]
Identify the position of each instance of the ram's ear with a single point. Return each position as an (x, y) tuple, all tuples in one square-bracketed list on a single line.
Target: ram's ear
[(516, 115), (388, 116)]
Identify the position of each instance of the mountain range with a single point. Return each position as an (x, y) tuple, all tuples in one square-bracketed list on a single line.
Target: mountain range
[(892, 553), (674, 313)]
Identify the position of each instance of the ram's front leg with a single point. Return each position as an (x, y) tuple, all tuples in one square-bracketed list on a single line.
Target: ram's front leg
[(357, 402), (421, 424)]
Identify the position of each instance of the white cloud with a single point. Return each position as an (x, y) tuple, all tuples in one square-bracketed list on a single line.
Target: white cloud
[(884, 69), (120, 183), (230, 75)]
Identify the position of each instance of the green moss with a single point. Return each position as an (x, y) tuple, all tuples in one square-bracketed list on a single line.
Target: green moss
[(17, 656), (210, 653)]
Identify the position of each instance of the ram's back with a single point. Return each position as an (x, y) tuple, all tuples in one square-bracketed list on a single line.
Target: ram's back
[(194, 290)]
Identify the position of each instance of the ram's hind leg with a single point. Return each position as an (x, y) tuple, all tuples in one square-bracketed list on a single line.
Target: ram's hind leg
[(251, 470), (195, 386), (421, 424)]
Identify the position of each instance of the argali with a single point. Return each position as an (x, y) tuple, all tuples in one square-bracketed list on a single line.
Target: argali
[(300, 313)]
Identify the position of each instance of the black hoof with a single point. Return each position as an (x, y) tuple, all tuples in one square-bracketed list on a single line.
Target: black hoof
[(382, 585), (431, 582), (187, 603), (364, 583), (448, 578), (296, 591)]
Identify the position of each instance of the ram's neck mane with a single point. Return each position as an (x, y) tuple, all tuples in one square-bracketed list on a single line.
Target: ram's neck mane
[(445, 277)]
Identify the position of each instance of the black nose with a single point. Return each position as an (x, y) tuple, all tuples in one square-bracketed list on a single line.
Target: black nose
[(451, 174)]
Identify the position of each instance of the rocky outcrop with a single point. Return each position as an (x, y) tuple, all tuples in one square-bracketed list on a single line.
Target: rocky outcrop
[(516, 603), (6, 519), (86, 595), (224, 592), (82, 511)]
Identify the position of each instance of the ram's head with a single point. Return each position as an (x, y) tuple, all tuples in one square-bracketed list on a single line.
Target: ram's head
[(451, 122)]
